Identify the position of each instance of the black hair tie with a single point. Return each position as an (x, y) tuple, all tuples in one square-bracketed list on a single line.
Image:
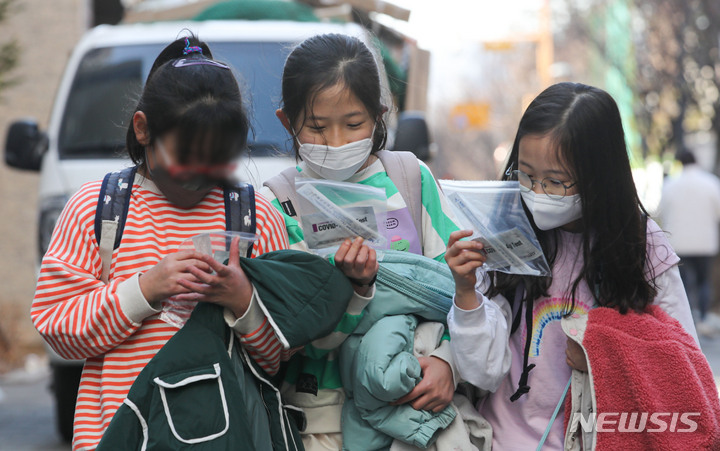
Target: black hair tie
[(191, 48), (363, 285)]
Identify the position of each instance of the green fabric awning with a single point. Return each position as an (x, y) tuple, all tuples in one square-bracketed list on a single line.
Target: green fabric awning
[(298, 12), (258, 10)]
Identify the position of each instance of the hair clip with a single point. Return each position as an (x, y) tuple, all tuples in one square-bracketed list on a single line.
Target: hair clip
[(191, 48), (184, 62)]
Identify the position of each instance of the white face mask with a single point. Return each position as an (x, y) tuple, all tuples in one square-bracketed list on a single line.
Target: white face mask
[(551, 213), (336, 163)]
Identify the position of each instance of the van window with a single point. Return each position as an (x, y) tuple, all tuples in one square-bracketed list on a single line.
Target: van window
[(109, 80)]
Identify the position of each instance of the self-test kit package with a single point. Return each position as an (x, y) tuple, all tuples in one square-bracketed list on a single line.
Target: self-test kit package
[(493, 210), (331, 212)]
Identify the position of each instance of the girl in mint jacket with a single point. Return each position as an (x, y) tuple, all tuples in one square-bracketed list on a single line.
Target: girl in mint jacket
[(333, 109)]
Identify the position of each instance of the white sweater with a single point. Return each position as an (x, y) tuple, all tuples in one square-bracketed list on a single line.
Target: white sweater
[(690, 212)]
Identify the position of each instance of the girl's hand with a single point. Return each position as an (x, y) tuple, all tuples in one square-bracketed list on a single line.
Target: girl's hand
[(435, 391), (575, 356), (228, 286), (463, 258), (358, 262), (164, 279)]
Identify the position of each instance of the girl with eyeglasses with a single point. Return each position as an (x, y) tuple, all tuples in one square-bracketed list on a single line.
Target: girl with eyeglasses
[(571, 161), (184, 137)]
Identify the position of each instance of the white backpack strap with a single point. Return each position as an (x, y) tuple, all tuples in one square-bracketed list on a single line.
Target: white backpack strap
[(403, 169), (110, 214), (107, 241), (283, 186)]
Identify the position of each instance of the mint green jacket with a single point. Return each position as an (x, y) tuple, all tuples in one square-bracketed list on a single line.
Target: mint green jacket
[(377, 364)]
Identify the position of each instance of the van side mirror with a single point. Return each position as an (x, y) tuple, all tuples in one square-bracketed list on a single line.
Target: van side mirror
[(412, 134), (25, 145)]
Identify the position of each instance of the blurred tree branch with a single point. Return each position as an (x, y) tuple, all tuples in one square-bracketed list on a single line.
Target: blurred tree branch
[(676, 76), (679, 67)]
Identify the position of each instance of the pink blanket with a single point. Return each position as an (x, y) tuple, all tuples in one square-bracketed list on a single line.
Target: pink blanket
[(653, 385)]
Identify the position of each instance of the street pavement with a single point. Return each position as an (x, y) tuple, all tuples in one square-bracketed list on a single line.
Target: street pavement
[(711, 349), (27, 418)]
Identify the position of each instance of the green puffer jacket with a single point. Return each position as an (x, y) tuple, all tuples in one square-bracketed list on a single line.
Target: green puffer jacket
[(377, 364), (201, 391)]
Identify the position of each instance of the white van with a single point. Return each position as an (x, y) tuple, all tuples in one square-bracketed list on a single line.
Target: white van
[(98, 92)]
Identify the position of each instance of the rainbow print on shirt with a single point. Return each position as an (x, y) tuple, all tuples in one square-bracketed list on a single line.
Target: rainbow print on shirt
[(544, 313)]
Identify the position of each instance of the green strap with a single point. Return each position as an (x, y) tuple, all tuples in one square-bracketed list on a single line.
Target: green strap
[(554, 415)]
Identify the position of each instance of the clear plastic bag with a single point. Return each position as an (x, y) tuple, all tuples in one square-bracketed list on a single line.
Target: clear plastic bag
[(493, 210), (217, 244), (331, 212)]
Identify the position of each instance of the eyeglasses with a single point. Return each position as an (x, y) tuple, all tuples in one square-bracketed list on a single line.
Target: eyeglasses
[(554, 188), (181, 171)]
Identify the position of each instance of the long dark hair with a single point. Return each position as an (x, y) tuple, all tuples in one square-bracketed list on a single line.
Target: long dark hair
[(201, 101), (586, 130), (327, 60)]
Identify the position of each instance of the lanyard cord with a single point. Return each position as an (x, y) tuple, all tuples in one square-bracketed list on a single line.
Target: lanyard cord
[(523, 386), (554, 415)]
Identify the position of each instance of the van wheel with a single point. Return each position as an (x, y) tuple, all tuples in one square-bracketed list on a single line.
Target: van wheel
[(65, 383)]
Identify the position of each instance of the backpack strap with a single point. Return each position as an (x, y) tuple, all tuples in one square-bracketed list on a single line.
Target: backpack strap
[(403, 169), (111, 213), (114, 200), (283, 186), (240, 209)]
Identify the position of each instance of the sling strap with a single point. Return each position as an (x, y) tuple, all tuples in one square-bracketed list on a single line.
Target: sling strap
[(403, 169), (283, 186)]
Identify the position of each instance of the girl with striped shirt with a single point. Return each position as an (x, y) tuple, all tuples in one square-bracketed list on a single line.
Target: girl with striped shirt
[(186, 132)]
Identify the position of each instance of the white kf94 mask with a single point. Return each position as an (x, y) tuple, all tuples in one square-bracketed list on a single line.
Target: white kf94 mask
[(336, 163), (549, 213)]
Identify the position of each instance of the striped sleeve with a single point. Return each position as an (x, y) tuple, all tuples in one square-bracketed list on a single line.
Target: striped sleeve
[(350, 320), (262, 343), (74, 311)]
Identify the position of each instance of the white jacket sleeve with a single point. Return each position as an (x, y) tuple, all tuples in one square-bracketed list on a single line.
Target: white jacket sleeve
[(479, 340), (672, 298)]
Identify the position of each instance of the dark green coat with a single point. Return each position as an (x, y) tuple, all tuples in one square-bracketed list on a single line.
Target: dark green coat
[(201, 391)]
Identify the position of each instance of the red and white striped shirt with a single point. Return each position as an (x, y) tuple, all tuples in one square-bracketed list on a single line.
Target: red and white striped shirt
[(112, 326)]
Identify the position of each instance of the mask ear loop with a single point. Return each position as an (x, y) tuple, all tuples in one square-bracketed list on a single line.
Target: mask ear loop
[(295, 136)]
